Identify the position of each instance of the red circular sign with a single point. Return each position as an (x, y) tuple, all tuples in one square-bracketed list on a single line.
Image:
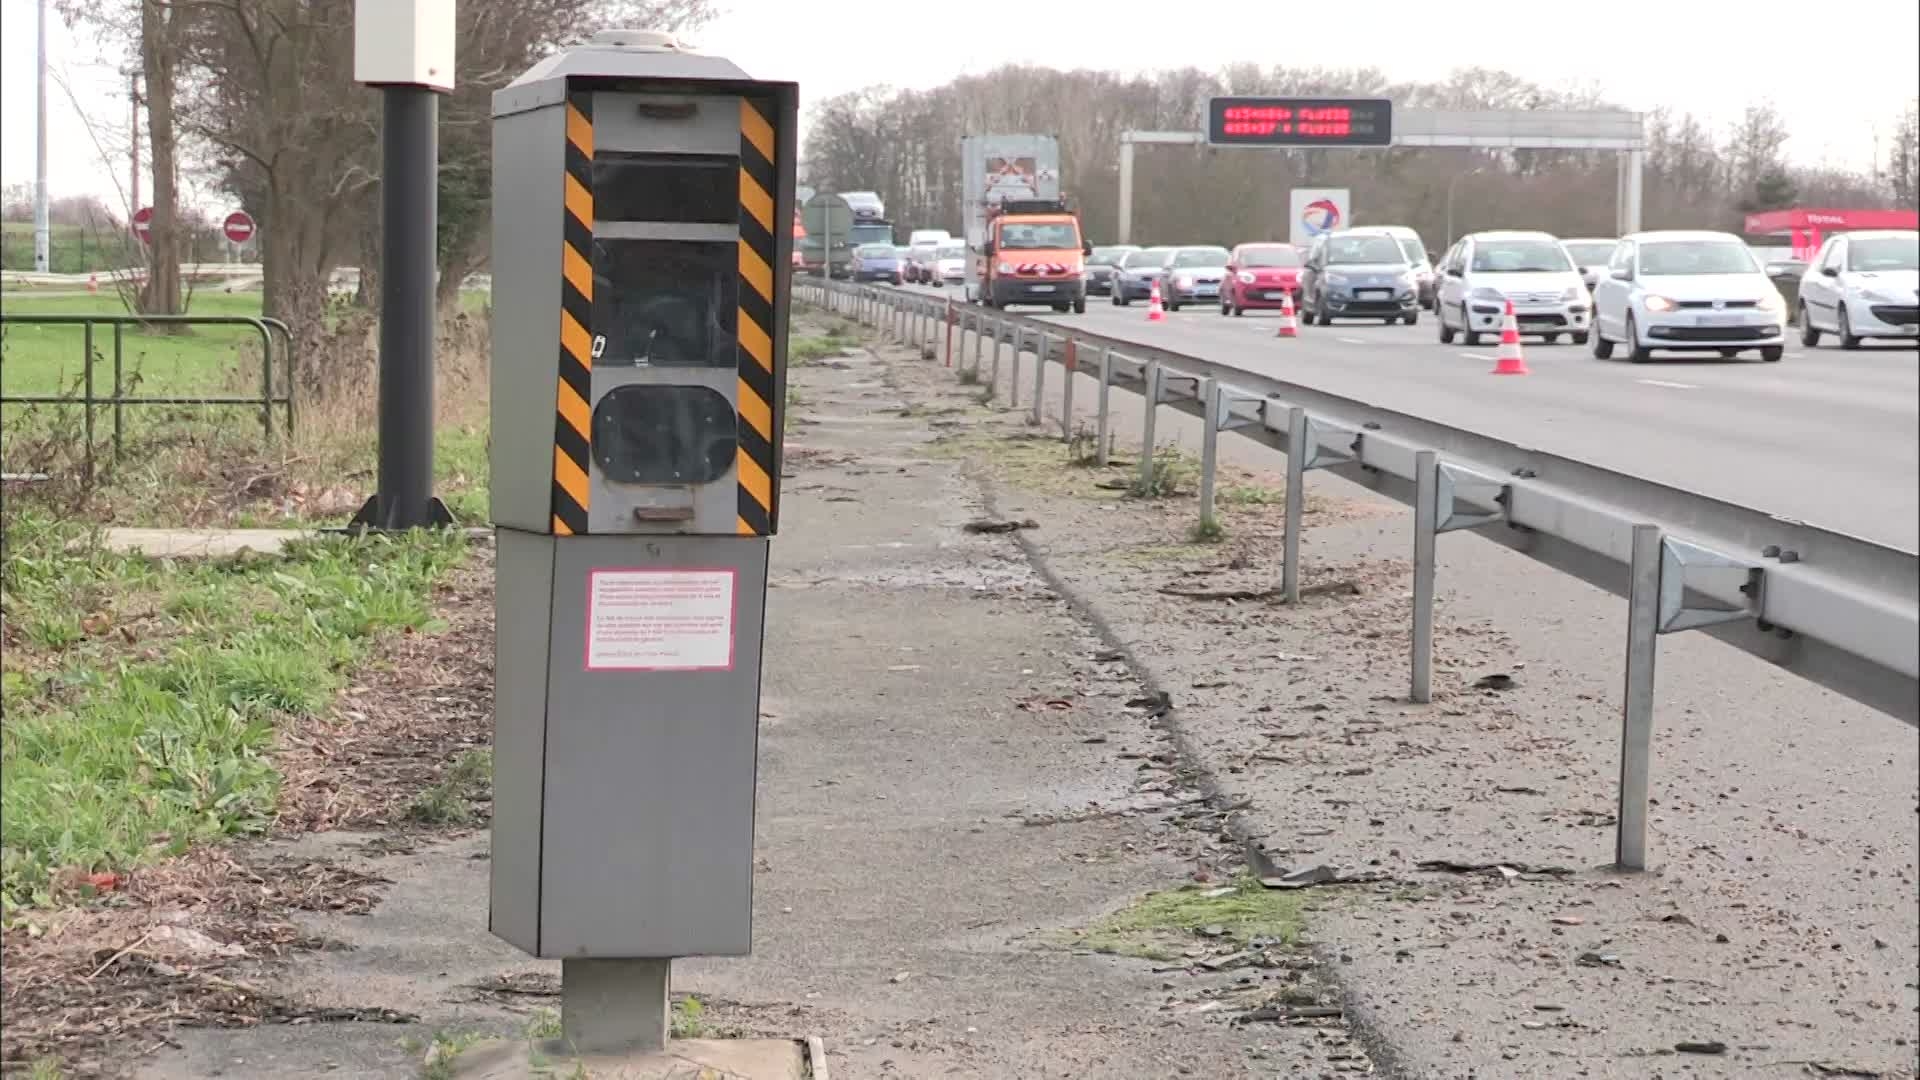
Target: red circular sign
[(238, 226), (143, 224)]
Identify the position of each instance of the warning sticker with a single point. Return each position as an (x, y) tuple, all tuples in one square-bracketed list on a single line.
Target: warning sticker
[(660, 620)]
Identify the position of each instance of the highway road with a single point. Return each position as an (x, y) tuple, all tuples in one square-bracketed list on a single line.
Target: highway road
[(1824, 436)]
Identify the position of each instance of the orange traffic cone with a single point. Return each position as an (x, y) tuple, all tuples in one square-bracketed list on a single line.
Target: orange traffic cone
[(1289, 322), (1154, 312), (1507, 360), (93, 283)]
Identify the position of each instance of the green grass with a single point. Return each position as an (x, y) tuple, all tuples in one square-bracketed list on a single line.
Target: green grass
[(815, 348), (1158, 926), (141, 696), (1252, 495), (450, 802), (38, 359), (1206, 531), (1169, 470), (688, 1020)]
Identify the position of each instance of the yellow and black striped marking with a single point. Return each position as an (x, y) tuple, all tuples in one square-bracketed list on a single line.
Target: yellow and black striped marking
[(573, 426), (757, 470)]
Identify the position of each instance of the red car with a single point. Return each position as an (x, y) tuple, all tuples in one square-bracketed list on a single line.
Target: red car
[(1260, 276)]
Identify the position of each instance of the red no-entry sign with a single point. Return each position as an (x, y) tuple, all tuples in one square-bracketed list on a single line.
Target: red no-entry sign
[(143, 224), (238, 227)]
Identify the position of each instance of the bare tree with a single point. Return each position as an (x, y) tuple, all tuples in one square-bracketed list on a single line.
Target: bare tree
[(1903, 160)]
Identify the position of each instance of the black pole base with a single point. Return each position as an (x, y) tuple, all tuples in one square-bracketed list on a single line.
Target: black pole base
[(374, 516)]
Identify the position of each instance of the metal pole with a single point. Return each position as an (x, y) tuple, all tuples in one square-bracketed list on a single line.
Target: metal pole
[(609, 1006), (133, 126), (1209, 394), (949, 319), (1296, 502), (1103, 426), (1126, 191), (1426, 515), (1040, 354), (980, 341), (993, 373), (1151, 380), (42, 228), (119, 386), (1013, 381), (1636, 169), (1636, 709), (409, 213), (86, 332), (1069, 361)]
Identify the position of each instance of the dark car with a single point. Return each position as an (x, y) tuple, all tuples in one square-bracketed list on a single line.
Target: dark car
[(877, 262), (1101, 266), (1133, 279), (1358, 275)]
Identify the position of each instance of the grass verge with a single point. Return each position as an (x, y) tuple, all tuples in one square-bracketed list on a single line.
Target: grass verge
[(1160, 925), (141, 697)]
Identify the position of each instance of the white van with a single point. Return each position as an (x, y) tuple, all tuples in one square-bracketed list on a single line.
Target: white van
[(1416, 250), (928, 236)]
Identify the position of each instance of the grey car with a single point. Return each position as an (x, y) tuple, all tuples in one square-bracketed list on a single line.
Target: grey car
[(1133, 279), (1102, 264), (1193, 275), (1354, 275)]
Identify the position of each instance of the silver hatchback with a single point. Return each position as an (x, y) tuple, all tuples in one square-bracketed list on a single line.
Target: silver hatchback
[(1193, 274)]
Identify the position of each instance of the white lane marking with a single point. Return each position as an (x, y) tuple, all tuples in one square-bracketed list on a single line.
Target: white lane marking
[(1668, 385), (1351, 341), (1478, 356)]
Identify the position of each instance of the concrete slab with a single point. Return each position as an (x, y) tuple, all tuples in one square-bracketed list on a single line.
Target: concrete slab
[(202, 543), (683, 1059)]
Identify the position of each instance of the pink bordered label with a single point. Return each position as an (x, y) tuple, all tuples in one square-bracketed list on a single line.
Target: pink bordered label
[(660, 620)]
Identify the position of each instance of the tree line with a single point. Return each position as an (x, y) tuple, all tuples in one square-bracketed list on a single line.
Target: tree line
[(258, 97), (905, 145)]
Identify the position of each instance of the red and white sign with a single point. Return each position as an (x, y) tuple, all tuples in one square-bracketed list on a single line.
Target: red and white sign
[(143, 224), (238, 227), (660, 620)]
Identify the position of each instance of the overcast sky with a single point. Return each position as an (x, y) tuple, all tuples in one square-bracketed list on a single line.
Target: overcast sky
[(1704, 56)]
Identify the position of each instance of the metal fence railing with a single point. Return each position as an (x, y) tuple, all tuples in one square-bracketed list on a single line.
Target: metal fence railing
[(1831, 608), (273, 394)]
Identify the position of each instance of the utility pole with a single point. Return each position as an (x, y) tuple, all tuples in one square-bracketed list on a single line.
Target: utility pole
[(133, 126), (42, 230)]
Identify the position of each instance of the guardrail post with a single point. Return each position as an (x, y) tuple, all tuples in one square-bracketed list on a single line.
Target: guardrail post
[(993, 373), (86, 335), (979, 340), (951, 318), (1209, 395), (1103, 425), (1040, 354), (1296, 503), (1069, 362), (1636, 709), (1013, 383), (119, 386), (1150, 377), (1426, 520)]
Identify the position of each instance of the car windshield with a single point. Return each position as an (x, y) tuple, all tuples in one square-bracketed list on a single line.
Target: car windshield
[(1200, 257), (1144, 258), (1679, 257), (1269, 256), (1364, 250), (1884, 253), (1108, 256), (950, 251), (1590, 254), (1519, 257), (1043, 236), (1411, 248)]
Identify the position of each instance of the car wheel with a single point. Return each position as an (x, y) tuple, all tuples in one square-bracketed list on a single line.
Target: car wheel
[(1080, 306), (1636, 352), (1772, 353), (1172, 305), (1468, 335), (1446, 332), (1226, 307), (1579, 339), (1123, 301), (1809, 334), (1843, 329), (1321, 317), (1602, 348), (1412, 318)]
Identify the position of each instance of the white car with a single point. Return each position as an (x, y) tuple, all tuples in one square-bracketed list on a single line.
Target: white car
[(1482, 272), (1862, 285), (1688, 292), (949, 263), (928, 236), (1591, 254), (1416, 250)]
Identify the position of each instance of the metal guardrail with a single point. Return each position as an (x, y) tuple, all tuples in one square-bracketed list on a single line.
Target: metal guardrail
[(90, 400), (1834, 609)]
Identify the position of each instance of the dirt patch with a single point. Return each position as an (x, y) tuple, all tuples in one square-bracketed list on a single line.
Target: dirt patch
[(401, 725), (189, 942)]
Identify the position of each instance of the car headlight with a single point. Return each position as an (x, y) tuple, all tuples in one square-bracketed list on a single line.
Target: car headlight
[(1491, 295), (1658, 303), (1185, 281), (1336, 279), (1773, 302), (1245, 278), (1005, 268)]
